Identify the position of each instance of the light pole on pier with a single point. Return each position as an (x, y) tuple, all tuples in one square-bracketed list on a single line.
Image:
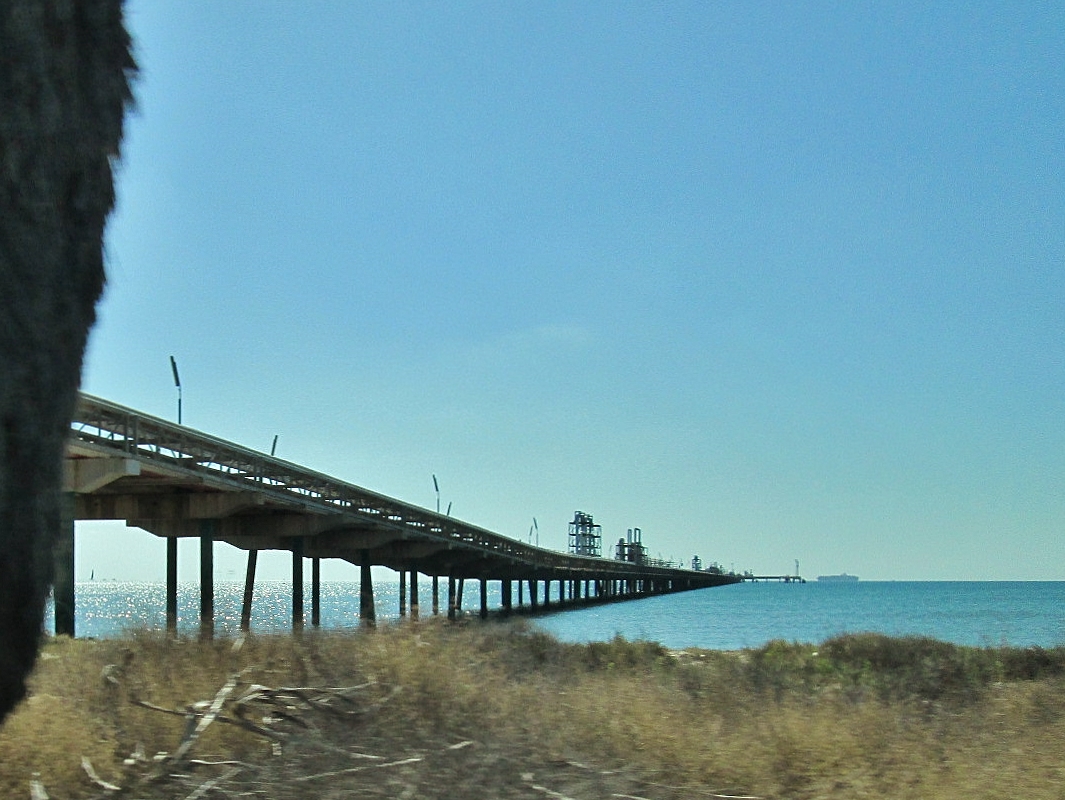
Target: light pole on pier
[(177, 383)]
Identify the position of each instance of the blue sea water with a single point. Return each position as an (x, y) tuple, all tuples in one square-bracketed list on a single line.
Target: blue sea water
[(723, 618), (751, 614)]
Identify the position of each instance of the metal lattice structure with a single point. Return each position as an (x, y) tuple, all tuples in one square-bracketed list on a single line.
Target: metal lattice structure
[(630, 550), (585, 537)]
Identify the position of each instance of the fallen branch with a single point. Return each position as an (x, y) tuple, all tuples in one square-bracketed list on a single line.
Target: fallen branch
[(87, 766), (211, 784), (238, 721), (706, 792), (550, 793), (349, 770), (37, 791), (212, 713)]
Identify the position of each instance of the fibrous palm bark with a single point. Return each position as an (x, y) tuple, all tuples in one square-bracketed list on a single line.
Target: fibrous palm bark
[(65, 68)]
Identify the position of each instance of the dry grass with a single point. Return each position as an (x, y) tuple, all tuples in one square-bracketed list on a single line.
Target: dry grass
[(857, 716)]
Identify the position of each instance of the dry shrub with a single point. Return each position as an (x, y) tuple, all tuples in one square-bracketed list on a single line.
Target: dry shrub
[(861, 716), (46, 737)]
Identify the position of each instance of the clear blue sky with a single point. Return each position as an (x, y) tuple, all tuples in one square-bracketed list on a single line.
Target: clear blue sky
[(770, 281)]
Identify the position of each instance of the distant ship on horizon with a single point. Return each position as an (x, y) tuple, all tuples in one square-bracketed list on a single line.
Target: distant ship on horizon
[(843, 577)]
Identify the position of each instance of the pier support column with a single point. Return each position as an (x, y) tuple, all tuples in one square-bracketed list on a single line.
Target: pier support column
[(414, 594), (484, 598), (367, 615), (521, 597), (207, 579), (63, 565), (436, 595), (402, 592), (297, 583), (533, 595), (249, 591), (452, 609), (316, 592), (171, 584), (505, 589)]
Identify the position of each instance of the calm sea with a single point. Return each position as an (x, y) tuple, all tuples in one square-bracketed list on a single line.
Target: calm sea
[(727, 618)]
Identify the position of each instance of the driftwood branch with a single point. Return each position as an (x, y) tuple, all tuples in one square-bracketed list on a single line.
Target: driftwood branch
[(205, 721), (259, 709), (549, 792), (203, 789), (91, 772), (350, 770), (37, 791)]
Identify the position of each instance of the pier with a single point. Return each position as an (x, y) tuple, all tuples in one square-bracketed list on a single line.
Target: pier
[(772, 578), (178, 483)]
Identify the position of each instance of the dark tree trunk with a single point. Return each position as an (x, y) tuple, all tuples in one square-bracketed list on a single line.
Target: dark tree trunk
[(65, 67)]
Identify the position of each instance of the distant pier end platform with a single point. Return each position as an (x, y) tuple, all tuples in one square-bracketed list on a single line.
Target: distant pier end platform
[(749, 578)]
